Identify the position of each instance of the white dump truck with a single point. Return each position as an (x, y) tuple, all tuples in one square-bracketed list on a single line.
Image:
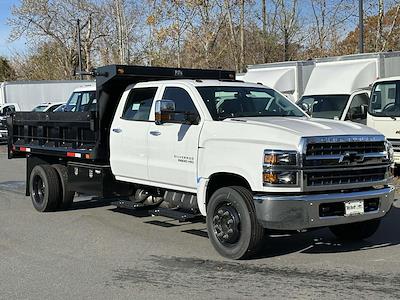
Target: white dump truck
[(290, 78), (339, 87), (188, 143)]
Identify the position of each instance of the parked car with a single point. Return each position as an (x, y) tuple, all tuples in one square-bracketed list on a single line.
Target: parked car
[(48, 107)]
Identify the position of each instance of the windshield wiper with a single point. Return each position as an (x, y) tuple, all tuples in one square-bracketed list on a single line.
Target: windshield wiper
[(393, 118)]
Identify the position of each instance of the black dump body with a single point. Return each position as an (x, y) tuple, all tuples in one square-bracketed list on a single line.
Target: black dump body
[(85, 135)]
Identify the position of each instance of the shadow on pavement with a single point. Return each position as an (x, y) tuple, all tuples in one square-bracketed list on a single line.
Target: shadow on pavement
[(322, 241), (90, 202)]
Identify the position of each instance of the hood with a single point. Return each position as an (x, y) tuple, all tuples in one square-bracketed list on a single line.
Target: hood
[(304, 127), (278, 132)]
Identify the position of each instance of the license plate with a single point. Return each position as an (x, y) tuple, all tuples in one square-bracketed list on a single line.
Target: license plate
[(353, 208)]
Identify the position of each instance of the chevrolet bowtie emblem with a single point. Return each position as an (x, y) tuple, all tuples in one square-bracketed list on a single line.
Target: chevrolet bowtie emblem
[(351, 157)]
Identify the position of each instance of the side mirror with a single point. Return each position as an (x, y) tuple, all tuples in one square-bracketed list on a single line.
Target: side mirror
[(306, 107), (364, 111), (164, 111), (357, 113)]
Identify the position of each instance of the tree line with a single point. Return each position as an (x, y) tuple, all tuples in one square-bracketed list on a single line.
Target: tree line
[(193, 33)]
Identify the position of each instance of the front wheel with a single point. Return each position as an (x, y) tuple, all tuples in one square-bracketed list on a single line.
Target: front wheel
[(232, 223), (355, 231)]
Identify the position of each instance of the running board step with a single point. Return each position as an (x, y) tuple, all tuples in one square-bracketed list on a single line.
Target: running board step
[(175, 214), (127, 204)]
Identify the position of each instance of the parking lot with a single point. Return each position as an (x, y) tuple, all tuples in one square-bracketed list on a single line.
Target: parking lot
[(95, 251)]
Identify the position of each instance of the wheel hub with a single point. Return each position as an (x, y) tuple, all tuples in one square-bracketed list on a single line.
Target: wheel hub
[(226, 224), (38, 190)]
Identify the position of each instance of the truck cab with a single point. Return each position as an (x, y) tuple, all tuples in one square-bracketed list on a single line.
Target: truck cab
[(344, 107), (384, 111), (82, 99)]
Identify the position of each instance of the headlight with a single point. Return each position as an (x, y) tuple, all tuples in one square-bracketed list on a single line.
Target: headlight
[(280, 168), (280, 158)]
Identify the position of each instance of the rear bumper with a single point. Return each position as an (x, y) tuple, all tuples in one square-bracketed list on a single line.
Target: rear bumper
[(297, 212)]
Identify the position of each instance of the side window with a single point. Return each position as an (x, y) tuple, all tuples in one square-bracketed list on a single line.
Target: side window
[(355, 112), (73, 102), (8, 110), (138, 104), (87, 101), (358, 100), (183, 103)]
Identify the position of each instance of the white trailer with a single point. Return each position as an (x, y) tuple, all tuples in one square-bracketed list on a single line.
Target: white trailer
[(339, 87), (28, 94), (290, 77)]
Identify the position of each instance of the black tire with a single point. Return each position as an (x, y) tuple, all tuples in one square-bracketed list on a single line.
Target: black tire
[(355, 231), (44, 186), (66, 195), (243, 236)]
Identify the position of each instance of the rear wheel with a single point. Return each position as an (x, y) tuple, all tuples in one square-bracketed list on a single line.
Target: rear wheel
[(232, 223), (356, 231), (44, 188), (66, 196)]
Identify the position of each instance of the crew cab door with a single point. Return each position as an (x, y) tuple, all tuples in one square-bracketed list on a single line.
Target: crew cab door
[(173, 147), (129, 135), (356, 109)]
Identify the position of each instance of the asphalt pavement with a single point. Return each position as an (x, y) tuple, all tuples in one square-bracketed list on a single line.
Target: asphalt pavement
[(94, 251)]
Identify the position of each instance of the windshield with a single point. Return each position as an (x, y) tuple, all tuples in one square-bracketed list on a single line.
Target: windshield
[(236, 101), (40, 108), (325, 106), (385, 100)]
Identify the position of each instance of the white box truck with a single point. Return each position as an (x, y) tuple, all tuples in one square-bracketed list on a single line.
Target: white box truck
[(339, 87), (290, 78), (384, 111), (28, 94)]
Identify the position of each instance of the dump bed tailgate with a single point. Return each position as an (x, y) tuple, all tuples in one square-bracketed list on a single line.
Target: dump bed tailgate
[(64, 134)]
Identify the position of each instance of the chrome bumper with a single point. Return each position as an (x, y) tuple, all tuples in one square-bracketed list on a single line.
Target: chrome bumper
[(297, 212)]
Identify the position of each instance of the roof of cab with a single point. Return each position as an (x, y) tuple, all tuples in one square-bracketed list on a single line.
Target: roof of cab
[(86, 88), (394, 78), (202, 83)]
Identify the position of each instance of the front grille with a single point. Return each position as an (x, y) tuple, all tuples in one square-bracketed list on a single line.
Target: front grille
[(344, 161), (345, 176), (320, 149), (395, 144)]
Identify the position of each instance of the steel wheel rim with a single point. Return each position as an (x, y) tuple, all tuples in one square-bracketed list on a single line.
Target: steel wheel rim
[(226, 224), (38, 189)]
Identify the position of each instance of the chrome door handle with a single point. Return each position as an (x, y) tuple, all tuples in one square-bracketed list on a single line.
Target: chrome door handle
[(155, 133), (117, 130)]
